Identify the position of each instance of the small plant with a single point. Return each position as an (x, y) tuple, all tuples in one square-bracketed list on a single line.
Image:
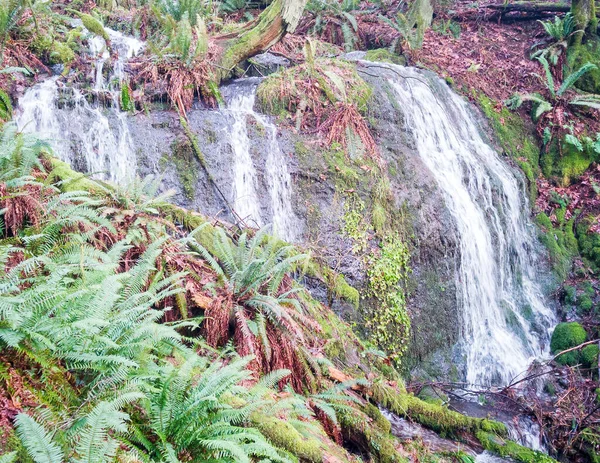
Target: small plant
[(447, 27), (231, 6), (560, 29), (10, 14), (412, 25), (557, 98)]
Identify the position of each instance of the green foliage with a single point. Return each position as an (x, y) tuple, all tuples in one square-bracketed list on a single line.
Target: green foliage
[(388, 272), (565, 336), (561, 28), (11, 12), (194, 10), (413, 24), (185, 39), (541, 105), (231, 6), (127, 104), (447, 27), (6, 109), (354, 225), (283, 92)]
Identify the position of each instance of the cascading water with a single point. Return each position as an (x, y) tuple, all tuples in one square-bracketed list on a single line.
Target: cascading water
[(245, 185), (505, 317), (81, 132)]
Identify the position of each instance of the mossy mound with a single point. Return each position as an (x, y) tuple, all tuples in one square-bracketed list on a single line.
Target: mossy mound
[(589, 356), (566, 336), (565, 164), (383, 55), (589, 242), (284, 435), (588, 52), (560, 241)]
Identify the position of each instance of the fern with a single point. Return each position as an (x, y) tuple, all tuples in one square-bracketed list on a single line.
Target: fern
[(37, 441), (560, 29), (413, 25)]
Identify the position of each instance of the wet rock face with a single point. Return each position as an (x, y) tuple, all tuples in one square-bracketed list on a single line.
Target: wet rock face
[(318, 201)]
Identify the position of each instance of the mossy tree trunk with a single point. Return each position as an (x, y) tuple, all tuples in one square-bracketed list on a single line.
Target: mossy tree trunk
[(584, 12), (279, 18)]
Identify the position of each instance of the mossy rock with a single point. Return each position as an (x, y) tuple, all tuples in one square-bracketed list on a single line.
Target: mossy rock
[(588, 52), (589, 356), (383, 55), (566, 336)]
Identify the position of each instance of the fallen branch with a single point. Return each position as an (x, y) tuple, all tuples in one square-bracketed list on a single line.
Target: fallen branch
[(576, 348)]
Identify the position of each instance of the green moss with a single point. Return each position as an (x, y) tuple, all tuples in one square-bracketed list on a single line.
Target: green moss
[(507, 448), (182, 157), (70, 179), (436, 417), (589, 242), (570, 294), (560, 242), (369, 437), (375, 414), (284, 435), (516, 138), (589, 356), (587, 52), (384, 55), (571, 165), (92, 25), (54, 51), (565, 336)]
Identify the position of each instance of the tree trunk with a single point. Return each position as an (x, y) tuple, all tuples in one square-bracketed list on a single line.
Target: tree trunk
[(586, 23), (279, 18)]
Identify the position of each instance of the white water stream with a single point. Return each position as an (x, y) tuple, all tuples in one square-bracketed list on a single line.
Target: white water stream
[(505, 316), (245, 186), (99, 135)]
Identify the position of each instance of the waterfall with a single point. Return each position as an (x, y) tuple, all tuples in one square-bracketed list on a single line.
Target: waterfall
[(505, 315), (245, 186), (93, 138)]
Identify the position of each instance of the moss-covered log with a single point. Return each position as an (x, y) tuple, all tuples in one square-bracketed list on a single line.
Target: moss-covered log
[(279, 18)]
